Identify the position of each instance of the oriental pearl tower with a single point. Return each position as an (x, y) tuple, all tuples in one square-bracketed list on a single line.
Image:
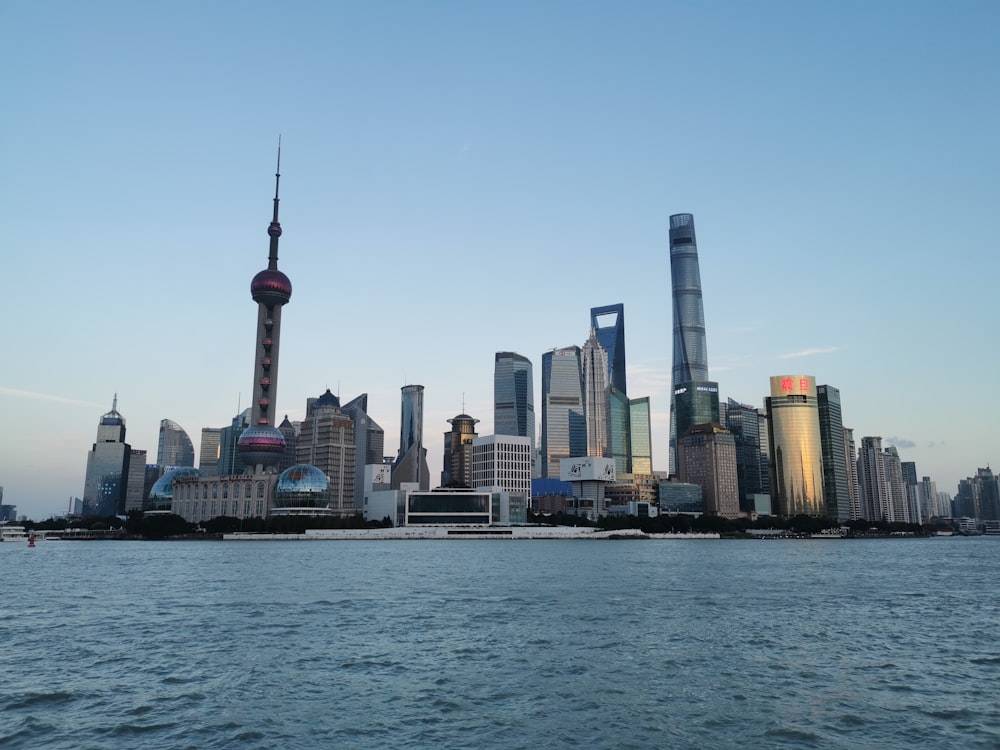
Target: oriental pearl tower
[(262, 445)]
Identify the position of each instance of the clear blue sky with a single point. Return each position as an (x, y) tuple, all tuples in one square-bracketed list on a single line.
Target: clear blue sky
[(461, 178)]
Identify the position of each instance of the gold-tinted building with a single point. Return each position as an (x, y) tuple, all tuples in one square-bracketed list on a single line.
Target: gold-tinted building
[(795, 455)]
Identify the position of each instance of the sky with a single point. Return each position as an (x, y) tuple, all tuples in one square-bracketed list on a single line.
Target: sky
[(465, 178)]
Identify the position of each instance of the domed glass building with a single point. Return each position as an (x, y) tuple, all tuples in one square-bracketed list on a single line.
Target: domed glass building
[(302, 490), (161, 495)]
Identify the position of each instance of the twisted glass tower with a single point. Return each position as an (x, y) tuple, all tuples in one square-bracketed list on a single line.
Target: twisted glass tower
[(695, 399)]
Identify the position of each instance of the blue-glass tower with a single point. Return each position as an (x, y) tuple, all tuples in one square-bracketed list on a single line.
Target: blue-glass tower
[(695, 399), (608, 324)]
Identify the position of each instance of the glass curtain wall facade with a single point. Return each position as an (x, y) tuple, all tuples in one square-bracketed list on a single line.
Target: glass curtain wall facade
[(690, 351), (641, 435), (411, 462), (620, 431), (796, 458), (608, 324), (742, 422), (174, 447), (107, 467), (564, 425), (514, 397), (831, 433)]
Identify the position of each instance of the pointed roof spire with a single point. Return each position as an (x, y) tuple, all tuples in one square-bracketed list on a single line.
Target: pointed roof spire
[(274, 229)]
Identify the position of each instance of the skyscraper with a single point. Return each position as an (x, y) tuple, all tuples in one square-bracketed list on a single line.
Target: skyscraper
[(369, 444), (742, 420), (641, 436), (411, 461), (853, 489), (875, 501), (594, 359), (514, 397), (457, 470), (695, 399), (796, 458), (107, 467), (174, 447), (262, 445), (707, 457), (210, 451), (608, 325), (326, 441), (831, 434), (564, 425)]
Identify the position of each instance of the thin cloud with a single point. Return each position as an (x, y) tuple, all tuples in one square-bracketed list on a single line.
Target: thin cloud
[(810, 352), (51, 397), (901, 442)]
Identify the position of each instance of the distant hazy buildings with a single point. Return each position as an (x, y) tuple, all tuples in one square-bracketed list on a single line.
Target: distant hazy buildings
[(564, 425), (411, 461), (514, 397), (174, 447), (796, 454), (107, 467)]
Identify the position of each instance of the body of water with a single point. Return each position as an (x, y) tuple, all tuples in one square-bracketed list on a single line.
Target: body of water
[(533, 644)]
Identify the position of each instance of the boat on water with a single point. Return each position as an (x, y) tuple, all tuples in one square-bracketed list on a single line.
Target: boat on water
[(836, 533), (13, 534)]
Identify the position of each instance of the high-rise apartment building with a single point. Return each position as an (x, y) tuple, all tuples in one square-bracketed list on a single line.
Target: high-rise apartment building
[(135, 487), (836, 492), (564, 424), (411, 461), (875, 502), (853, 488), (174, 447), (900, 509), (690, 351), (107, 467), (514, 397), (457, 471), (796, 453)]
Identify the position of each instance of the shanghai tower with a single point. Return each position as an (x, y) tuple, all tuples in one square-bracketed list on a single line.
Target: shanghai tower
[(695, 399)]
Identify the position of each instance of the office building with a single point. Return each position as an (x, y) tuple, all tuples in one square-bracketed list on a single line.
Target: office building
[(410, 466), (564, 424), (619, 440), (690, 350), (743, 421), (290, 431), (107, 467), (836, 492), (174, 447), (502, 463), (640, 435), (594, 360), (136, 488), (706, 456), (458, 441), (514, 398), (369, 444), (608, 325), (211, 445), (326, 442), (796, 452)]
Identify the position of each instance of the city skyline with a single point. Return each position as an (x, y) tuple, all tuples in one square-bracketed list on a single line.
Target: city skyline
[(843, 204)]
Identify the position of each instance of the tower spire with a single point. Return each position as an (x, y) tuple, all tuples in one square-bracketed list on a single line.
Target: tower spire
[(274, 229)]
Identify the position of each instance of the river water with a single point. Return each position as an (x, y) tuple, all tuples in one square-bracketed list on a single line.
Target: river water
[(500, 644)]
